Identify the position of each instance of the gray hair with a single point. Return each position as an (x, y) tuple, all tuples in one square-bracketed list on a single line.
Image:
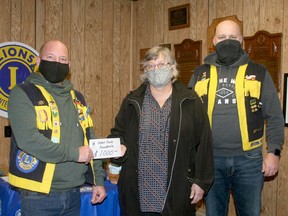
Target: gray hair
[(153, 54)]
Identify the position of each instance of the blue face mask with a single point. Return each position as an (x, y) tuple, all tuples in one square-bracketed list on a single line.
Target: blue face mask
[(159, 77)]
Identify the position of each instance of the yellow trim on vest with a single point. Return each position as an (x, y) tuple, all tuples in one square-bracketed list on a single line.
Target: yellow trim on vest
[(43, 187), (241, 92), (55, 136), (43, 121), (84, 116), (240, 97), (85, 122), (212, 91)]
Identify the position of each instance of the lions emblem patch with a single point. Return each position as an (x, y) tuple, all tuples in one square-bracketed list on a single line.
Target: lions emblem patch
[(25, 162), (17, 61)]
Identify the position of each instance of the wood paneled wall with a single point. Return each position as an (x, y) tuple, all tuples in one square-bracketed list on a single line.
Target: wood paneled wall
[(98, 35), (104, 38)]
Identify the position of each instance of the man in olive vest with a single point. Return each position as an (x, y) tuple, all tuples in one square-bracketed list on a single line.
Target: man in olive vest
[(240, 97), (50, 157)]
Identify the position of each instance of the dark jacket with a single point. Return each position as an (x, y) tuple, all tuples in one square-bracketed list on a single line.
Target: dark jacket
[(189, 152)]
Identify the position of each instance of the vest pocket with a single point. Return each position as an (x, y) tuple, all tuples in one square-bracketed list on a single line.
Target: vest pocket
[(201, 87), (252, 88), (43, 117)]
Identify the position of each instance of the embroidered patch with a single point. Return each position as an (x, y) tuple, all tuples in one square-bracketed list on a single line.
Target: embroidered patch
[(25, 162), (42, 115), (250, 77)]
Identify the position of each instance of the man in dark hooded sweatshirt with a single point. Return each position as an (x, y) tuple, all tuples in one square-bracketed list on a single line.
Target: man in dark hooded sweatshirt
[(239, 96)]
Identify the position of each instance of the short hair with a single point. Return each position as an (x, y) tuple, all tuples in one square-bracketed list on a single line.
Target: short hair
[(153, 54)]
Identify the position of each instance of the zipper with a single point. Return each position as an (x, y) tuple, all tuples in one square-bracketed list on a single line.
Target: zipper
[(176, 149)]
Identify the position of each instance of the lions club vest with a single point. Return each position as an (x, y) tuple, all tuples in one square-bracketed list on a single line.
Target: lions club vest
[(248, 95), (28, 172)]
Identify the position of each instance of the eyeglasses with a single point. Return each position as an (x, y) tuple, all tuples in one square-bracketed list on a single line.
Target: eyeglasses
[(149, 67)]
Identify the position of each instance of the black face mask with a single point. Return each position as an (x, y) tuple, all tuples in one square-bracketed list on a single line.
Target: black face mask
[(53, 72), (228, 51)]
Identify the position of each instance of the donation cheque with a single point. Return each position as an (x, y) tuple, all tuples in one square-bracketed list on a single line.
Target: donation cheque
[(105, 148)]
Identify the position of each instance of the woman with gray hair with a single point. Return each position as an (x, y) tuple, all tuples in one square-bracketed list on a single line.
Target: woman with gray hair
[(167, 162), (154, 53)]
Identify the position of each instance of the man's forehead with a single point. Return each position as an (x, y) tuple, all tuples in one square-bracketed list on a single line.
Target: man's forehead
[(54, 50), (54, 45), (227, 34), (228, 28)]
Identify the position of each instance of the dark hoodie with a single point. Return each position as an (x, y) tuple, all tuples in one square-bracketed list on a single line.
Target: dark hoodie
[(225, 127)]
